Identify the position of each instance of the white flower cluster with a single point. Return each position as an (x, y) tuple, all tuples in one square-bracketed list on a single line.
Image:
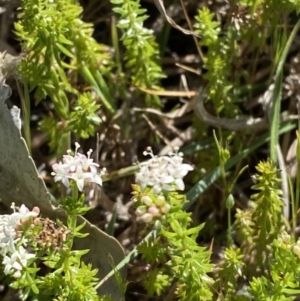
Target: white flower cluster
[(15, 257), (152, 208), (163, 173), (78, 168)]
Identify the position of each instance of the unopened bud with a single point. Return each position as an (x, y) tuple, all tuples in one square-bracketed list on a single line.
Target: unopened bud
[(147, 217), (165, 209), (147, 200), (229, 202), (36, 210), (141, 210), (154, 211), (160, 200), (296, 250)]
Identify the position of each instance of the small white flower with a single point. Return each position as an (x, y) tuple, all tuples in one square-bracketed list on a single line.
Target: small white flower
[(78, 177), (160, 201), (87, 162), (61, 172), (5, 248), (7, 234), (93, 177), (163, 173), (24, 256), (8, 240), (78, 168), (9, 263), (17, 261), (23, 214), (10, 228)]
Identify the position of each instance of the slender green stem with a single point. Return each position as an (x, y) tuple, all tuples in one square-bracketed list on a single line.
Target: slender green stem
[(75, 198), (296, 203), (72, 218), (229, 238)]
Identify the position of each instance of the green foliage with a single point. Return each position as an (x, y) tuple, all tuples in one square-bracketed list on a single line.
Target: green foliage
[(217, 60), (248, 27), (267, 261), (151, 253), (207, 27), (68, 279), (245, 226), (57, 39), (230, 271), (175, 254), (284, 276), (54, 131), (142, 52), (273, 252), (155, 282), (79, 286), (84, 118), (82, 121), (59, 49), (267, 213), (295, 4), (60, 55), (74, 207)]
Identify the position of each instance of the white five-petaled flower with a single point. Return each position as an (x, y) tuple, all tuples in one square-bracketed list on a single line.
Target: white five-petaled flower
[(78, 168), (163, 173)]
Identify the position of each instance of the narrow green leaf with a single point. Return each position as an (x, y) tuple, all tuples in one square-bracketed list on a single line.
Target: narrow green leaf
[(116, 1), (34, 288), (111, 225), (79, 227), (65, 51), (274, 118), (119, 11), (64, 40), (90, 78)]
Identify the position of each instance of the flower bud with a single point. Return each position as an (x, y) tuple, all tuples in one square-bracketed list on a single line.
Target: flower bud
[(146, 218), (229, 202), (165, 209), (296, 250), (154, 211), (36, 210), (141, 210), (147, 200), (160, 201)]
